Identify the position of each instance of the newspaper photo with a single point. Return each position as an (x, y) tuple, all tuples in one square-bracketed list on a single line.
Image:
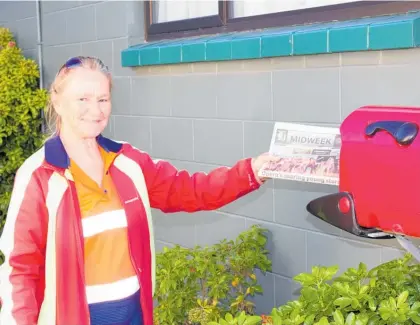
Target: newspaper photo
[(307, 153)]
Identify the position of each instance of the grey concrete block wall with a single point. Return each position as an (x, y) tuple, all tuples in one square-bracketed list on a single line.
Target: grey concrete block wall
[(204, 115), (71, 28)]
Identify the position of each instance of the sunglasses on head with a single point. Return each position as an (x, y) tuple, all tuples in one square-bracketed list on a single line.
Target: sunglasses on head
[(77, 61), (73, 62)]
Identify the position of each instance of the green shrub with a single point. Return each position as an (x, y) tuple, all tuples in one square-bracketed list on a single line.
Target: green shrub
[(195, 286), (21, 103), (388, 294), (240, 319)]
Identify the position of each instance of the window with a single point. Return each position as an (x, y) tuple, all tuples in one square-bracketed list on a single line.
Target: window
[(166, 19)]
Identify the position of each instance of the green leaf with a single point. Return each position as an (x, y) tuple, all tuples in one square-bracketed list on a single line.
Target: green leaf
[(305, 279), (392, 303), (252, 320), (364, 289), (415, 318), (355, 303), (338, 317), (323, 321), (385, 312), (362, 269), (330, 272), (362, 319), (310, 294), (402, 298), (343, 302), (371, 304), (350, 319), (309, 320), (374, 320)]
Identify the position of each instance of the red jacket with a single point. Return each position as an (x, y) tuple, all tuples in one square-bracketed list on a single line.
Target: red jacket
[(42, 279)]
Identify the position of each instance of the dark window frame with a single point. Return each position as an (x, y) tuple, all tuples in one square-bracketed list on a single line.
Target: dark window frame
[(221, 23), (183, 25)]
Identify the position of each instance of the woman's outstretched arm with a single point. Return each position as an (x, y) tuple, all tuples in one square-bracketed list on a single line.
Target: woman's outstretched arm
[(173, 190)]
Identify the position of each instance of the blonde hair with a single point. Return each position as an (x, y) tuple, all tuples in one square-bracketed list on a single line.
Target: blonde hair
[(52, 119)]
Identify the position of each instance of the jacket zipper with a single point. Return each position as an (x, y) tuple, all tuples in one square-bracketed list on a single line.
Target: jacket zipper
[(138, 269)]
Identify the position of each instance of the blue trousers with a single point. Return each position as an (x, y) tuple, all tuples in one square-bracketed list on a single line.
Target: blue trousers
[(126, 311)]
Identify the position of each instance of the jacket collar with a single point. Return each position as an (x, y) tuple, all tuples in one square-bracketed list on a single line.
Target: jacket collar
[(56, 155)]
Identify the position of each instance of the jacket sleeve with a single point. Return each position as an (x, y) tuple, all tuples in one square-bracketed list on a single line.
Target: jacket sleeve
[(23, 245), (172, 190)]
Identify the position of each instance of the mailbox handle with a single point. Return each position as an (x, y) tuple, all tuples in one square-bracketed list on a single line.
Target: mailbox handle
[(402, 132)]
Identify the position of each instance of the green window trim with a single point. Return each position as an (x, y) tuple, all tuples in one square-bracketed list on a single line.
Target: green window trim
[(366, 34)]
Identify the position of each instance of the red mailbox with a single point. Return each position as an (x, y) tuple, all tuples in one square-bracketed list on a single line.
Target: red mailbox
[(379, 185)]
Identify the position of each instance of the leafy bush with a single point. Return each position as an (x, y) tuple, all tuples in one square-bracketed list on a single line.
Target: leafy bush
[(21, 102), (195, 286), (389, 294), (241, 319)]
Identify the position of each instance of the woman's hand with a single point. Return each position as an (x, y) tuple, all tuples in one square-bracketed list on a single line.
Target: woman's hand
[(258, 162)]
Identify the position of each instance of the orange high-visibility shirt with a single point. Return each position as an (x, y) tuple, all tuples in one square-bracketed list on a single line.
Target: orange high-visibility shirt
[(109, 272)]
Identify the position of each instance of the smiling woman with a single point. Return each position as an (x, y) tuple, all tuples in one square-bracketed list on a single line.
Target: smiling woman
[(78, 238), (72, 100)]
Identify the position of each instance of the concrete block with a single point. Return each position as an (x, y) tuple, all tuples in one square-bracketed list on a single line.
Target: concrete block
[(54, 31), (257, 138), (389, 254), (218, 142), (133, 129), (287, 248), (48, 6), (117, 70), (309, 95), (290, 200), (329, 250), (213, 227), (377, 85), (99, 49), (16, 10), (121, 96), (81, 24), (194, 96), (55, 57), (31, 54), (256, 205), (111, 19), (151, 96), (283, 290), (265, 302), (172, 138), (175, 228), (27, 33), (244, 96)]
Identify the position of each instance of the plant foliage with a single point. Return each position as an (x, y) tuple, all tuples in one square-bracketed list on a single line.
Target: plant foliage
[(388, 294), (21, 103), (195, 286)]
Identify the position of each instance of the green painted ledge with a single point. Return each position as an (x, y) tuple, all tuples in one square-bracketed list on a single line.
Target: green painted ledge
[(376, 33)]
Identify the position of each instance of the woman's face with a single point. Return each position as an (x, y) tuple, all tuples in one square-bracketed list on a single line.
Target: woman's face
[(84, 103)]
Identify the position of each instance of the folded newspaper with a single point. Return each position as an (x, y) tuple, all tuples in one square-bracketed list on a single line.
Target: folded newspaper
[(308, 153)]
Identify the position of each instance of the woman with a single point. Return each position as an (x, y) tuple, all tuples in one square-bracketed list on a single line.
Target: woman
[(78, 238)]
